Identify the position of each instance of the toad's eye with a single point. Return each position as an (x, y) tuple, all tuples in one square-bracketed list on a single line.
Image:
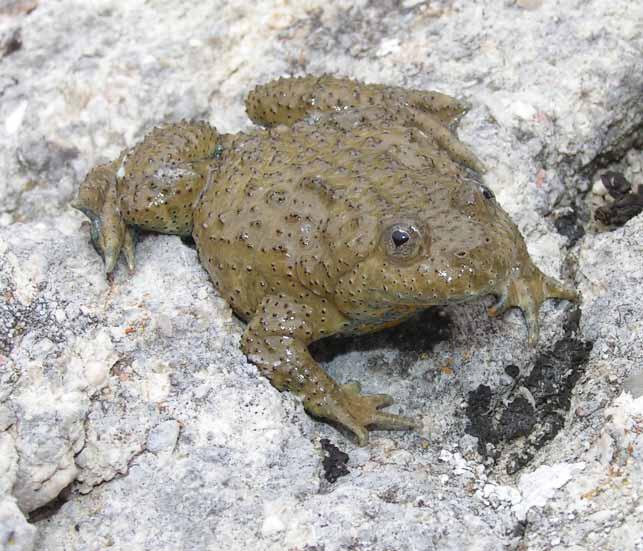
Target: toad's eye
[(400, 237), (402, 241), (488, 194)]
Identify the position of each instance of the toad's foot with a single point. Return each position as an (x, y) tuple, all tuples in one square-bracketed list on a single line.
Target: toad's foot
[(528, 292), (98, 200), (276, 342), (358, 412)]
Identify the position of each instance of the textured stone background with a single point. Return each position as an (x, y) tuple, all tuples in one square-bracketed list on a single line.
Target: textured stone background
[(128, 417)]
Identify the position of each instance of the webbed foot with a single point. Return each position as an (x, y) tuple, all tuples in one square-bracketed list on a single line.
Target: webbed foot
[(97, 199), (528, 292), (357, 412)]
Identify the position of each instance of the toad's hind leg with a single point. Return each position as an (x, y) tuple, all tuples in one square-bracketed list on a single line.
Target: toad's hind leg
[(152, 186), (288, 100), (276, 341)]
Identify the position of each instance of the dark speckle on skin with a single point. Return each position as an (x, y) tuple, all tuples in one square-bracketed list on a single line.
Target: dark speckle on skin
[(353, 208)]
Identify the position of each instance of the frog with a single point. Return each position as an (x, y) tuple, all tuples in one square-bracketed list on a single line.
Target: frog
[(347, 209)]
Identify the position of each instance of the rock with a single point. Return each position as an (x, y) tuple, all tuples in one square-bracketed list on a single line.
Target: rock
[(634, 385), (128, 417), (16, 534), (163, 436), (538, 488)]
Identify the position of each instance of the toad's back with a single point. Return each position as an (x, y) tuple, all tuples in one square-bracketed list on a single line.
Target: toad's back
[(289, 210)]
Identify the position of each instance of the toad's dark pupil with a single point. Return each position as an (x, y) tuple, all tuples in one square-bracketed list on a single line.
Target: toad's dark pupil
[(400, 237)]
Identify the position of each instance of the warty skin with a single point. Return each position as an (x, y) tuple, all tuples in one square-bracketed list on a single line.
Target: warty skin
[(353, 207)]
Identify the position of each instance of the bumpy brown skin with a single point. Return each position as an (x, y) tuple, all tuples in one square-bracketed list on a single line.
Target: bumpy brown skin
[(356, 209)]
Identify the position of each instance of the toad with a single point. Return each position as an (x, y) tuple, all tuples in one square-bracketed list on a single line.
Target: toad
[(353, 207)]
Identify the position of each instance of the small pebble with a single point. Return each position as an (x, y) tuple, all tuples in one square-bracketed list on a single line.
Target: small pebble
[(634, 385), (163, 436), (599, 188)]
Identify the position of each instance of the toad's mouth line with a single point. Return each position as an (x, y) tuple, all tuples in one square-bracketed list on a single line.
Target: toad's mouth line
[(425, 300)]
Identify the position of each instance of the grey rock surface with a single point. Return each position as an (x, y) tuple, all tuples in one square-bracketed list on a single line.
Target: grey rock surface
[(129, 419), (15, 532)]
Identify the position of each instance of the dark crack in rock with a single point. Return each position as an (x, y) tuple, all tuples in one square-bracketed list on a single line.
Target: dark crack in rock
[(569, 223), (517, 419), (334, 461), (49, 510), (11, 43), (626, 205), (616, 184), (534, 408)]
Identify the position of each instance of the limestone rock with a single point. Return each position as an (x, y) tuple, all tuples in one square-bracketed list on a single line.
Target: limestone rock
[(128, 417)]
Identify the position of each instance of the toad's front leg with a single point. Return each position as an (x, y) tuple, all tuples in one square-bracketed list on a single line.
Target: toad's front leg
[(152, 186), (277, 339)]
